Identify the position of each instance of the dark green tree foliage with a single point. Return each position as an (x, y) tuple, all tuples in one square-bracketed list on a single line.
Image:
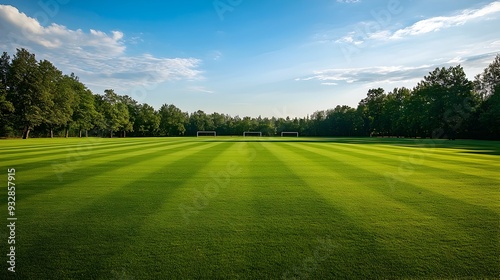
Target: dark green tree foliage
[(172, 121), (371, 110), (27, 92), (343, 121), (147, 121), (448, 101), (85, 116), (6, 107), (199, 121), (116, 114)]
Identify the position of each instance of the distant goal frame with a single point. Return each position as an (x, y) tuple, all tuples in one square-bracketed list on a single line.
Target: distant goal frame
[(253, 133), (289, 132), (206, 132)]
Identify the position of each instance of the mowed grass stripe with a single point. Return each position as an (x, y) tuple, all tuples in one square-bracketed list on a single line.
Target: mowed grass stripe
[(72, 153), (359, 248), (64, 163), (396, 172), (457, 154), (70, 143), (86, 186), (47, 179), (425, 152), (475, 231), (403, 167), (473, 189), (190, 224), (87, 238), (425, 159)]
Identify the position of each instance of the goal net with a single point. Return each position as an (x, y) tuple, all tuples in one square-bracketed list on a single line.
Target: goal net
[(252, 133), (289, 133), (206, 133)]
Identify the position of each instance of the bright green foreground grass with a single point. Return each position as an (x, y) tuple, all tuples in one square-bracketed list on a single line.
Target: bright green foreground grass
[(187, 208)]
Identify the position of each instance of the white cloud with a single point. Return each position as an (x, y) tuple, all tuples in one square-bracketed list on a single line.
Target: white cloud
[(443, 22), (350, 39), (362, 33), (348, 1), (99, 58), (382, 74), (199, 89)]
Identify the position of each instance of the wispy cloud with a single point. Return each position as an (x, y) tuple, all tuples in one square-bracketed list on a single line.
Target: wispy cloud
[(382, 74), (348, 1), (361, 34), (443, 22), (199, 89), (99, 58)]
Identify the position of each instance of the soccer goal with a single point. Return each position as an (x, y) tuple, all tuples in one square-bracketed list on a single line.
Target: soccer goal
[(206, 133), (289, 133), (252, 133)]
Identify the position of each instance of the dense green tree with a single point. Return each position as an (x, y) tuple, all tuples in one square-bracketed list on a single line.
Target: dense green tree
[(6, 106), (147, 121), (447, 98), (343, 121), (85, 115), (115, 113), (62, 96), (172, 121), (490, 116), (487, 82), (371, 110), (25, 92), (199, 121), (395, 122)]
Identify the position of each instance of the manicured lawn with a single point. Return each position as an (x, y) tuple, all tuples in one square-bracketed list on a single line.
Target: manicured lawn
[(253, 208)]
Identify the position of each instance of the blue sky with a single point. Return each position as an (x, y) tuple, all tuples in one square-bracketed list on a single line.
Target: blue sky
[(250, 58)]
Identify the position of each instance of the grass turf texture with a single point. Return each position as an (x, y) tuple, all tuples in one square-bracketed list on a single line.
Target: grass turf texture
[(190, 208)]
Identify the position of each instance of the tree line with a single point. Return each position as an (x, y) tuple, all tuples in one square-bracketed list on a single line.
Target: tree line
[(37, 99)]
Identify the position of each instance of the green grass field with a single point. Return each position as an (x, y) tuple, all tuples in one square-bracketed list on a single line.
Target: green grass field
[(255, 208)]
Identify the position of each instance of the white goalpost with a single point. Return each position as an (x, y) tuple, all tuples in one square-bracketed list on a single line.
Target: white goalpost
[(289, 133), (206, 133), (252, 133)]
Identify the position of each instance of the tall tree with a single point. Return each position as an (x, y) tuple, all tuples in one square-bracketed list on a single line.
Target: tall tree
[(85, 115), (488, 115), (395, 104), (371, 109), (147, 121), (199, 121), (487, 82), (115, 113), (6, 107), (172, 120), (25, 92), (448, 98), (62, 96)]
